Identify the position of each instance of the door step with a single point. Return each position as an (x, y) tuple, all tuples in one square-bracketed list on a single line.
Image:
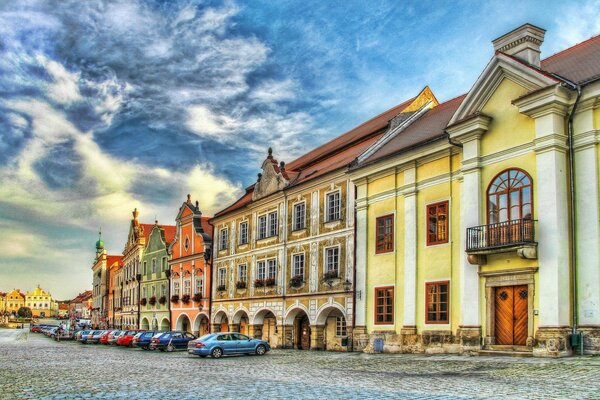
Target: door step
[(505, 353)]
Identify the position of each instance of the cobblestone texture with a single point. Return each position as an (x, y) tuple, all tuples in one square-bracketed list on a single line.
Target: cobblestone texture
[(35, 367)]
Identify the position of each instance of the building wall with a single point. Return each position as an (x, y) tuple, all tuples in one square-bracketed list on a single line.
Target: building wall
[(155, 284)]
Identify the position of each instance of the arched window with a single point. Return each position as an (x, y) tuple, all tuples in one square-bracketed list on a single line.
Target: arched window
[(509, 197)]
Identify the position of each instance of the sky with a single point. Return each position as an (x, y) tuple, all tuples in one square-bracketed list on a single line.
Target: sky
[(110, 105)]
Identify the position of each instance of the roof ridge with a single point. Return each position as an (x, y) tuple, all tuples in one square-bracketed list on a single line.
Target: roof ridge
[(576, 45)]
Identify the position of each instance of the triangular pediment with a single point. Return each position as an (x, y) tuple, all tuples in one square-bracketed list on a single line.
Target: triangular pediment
[(500, 67), (272, 178)]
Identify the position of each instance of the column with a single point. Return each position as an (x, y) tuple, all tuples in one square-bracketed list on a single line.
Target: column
[(234, 327), (410, 254), (317, 337), (470, 215), (255, 331), (360, 261)]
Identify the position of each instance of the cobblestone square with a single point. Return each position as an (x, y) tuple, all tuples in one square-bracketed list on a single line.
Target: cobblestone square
[(35, 367)]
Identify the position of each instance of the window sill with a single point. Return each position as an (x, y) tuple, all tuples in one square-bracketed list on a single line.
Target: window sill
[(298, 230)]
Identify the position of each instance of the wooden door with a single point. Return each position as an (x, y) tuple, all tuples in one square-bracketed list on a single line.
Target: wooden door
[(304, 333), (511, 315)]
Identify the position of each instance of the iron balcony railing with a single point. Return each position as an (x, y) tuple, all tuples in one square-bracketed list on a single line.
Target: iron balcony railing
[(501, 234)]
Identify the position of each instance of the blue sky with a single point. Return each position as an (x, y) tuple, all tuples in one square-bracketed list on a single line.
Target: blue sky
[(110, 105)]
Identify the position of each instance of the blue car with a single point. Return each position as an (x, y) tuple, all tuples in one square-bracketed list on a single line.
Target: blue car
[(170, 341), (219, 344), (142, 339)]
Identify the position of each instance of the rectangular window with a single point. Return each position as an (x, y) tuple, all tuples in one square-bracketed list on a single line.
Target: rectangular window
[(384, 305), (199, 286), (153, 291), (272, 224), (186, 287), (332, 260), (154, 265), (163, 290), (223, 239), (340, 326), (437, 298), (272, 268), (145, 269), (242, 277), (262, 227), (243, 232), (222, 274), (144, 292), (385, 234), (164, 264), (333, 207), (437, 223), (298, 265), (261, 270), (299, 216)]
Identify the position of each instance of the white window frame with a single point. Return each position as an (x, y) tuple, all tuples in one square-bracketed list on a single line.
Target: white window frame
[(200, 286), (187, 286), (299, 217), (261, 269), (271, 268), (298, 270), (243, 277), (261, 229), (327, 260), (223, 238), (341, 328), (272, 224), (336, 210), (221, 277), (154, 265), (243, 233)]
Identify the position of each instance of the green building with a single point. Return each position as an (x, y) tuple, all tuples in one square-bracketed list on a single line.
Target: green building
[(154, 284)]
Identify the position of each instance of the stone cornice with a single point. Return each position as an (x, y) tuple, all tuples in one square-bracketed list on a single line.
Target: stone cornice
[(470, 128), (554, 99)]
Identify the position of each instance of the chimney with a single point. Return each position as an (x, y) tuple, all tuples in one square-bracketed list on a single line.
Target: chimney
[(523, 43)]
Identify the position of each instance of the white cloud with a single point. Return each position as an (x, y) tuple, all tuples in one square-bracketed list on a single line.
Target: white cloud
[(578, 22), (201, 120), (273, 91), (65, 88)]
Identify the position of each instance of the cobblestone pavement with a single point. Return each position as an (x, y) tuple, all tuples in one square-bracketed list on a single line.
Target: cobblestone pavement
[(35, 367)]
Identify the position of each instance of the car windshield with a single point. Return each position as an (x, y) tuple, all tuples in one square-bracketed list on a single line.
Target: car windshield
[(148, 334), (139, 335), (159, 334), (131, 333)]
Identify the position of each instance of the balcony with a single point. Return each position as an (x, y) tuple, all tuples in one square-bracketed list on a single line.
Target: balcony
[(517, 235)]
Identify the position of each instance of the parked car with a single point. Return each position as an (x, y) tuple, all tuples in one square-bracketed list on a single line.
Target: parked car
[(64, 335), (50, 331), (80, 334), (36, 328), (114, 336), (94, 338), (87, 338), (104, 337), (142, 339), (126, 338), (219, 344), (169, 341)]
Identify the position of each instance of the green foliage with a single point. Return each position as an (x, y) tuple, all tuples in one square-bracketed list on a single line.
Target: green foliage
[(24, 312)]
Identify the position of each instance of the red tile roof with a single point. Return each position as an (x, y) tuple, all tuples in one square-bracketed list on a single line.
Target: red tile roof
[(111, 259), (335, 154), (428, 127), (579, 63), (169, 231), (206, 226)]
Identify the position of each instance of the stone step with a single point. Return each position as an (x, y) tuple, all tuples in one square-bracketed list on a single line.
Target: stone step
[(505, 353)]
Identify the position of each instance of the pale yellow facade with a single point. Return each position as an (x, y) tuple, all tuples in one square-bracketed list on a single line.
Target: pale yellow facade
[(513, 123), (14, 300), (41, 303)]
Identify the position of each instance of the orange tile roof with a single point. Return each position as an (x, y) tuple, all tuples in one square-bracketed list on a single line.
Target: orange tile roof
[(111, 259), (169, 231), (206, 226)]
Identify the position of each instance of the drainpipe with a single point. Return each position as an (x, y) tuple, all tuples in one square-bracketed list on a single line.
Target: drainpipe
[(573, 214), (354, 275)]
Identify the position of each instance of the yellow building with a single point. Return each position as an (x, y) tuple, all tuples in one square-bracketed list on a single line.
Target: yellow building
[(40, 302), (284, 252), (15, 300), (2, 302), (468, 235)]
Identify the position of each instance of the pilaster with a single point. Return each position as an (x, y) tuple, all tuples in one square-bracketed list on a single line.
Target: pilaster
[(361, 253), (410, 249)]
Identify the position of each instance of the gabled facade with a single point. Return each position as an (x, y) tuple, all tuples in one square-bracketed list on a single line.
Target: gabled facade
[(284, 252), (130, 275), (114, 290), (190, 270), (464, 218), (154, 297), (80, 307), (40, 302), (100, 285), (14, 300)]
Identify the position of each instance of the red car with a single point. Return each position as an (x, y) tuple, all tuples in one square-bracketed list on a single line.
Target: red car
[(126, 339), (104, 337)]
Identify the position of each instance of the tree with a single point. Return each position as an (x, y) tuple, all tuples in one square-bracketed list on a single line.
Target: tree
[(24, 312)]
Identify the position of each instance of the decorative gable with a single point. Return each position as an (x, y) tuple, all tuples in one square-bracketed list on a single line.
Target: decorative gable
[(272, 179)]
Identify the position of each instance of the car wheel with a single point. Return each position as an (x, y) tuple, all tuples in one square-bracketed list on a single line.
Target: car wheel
[(216, 353), (170, 348), (261, 350)]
